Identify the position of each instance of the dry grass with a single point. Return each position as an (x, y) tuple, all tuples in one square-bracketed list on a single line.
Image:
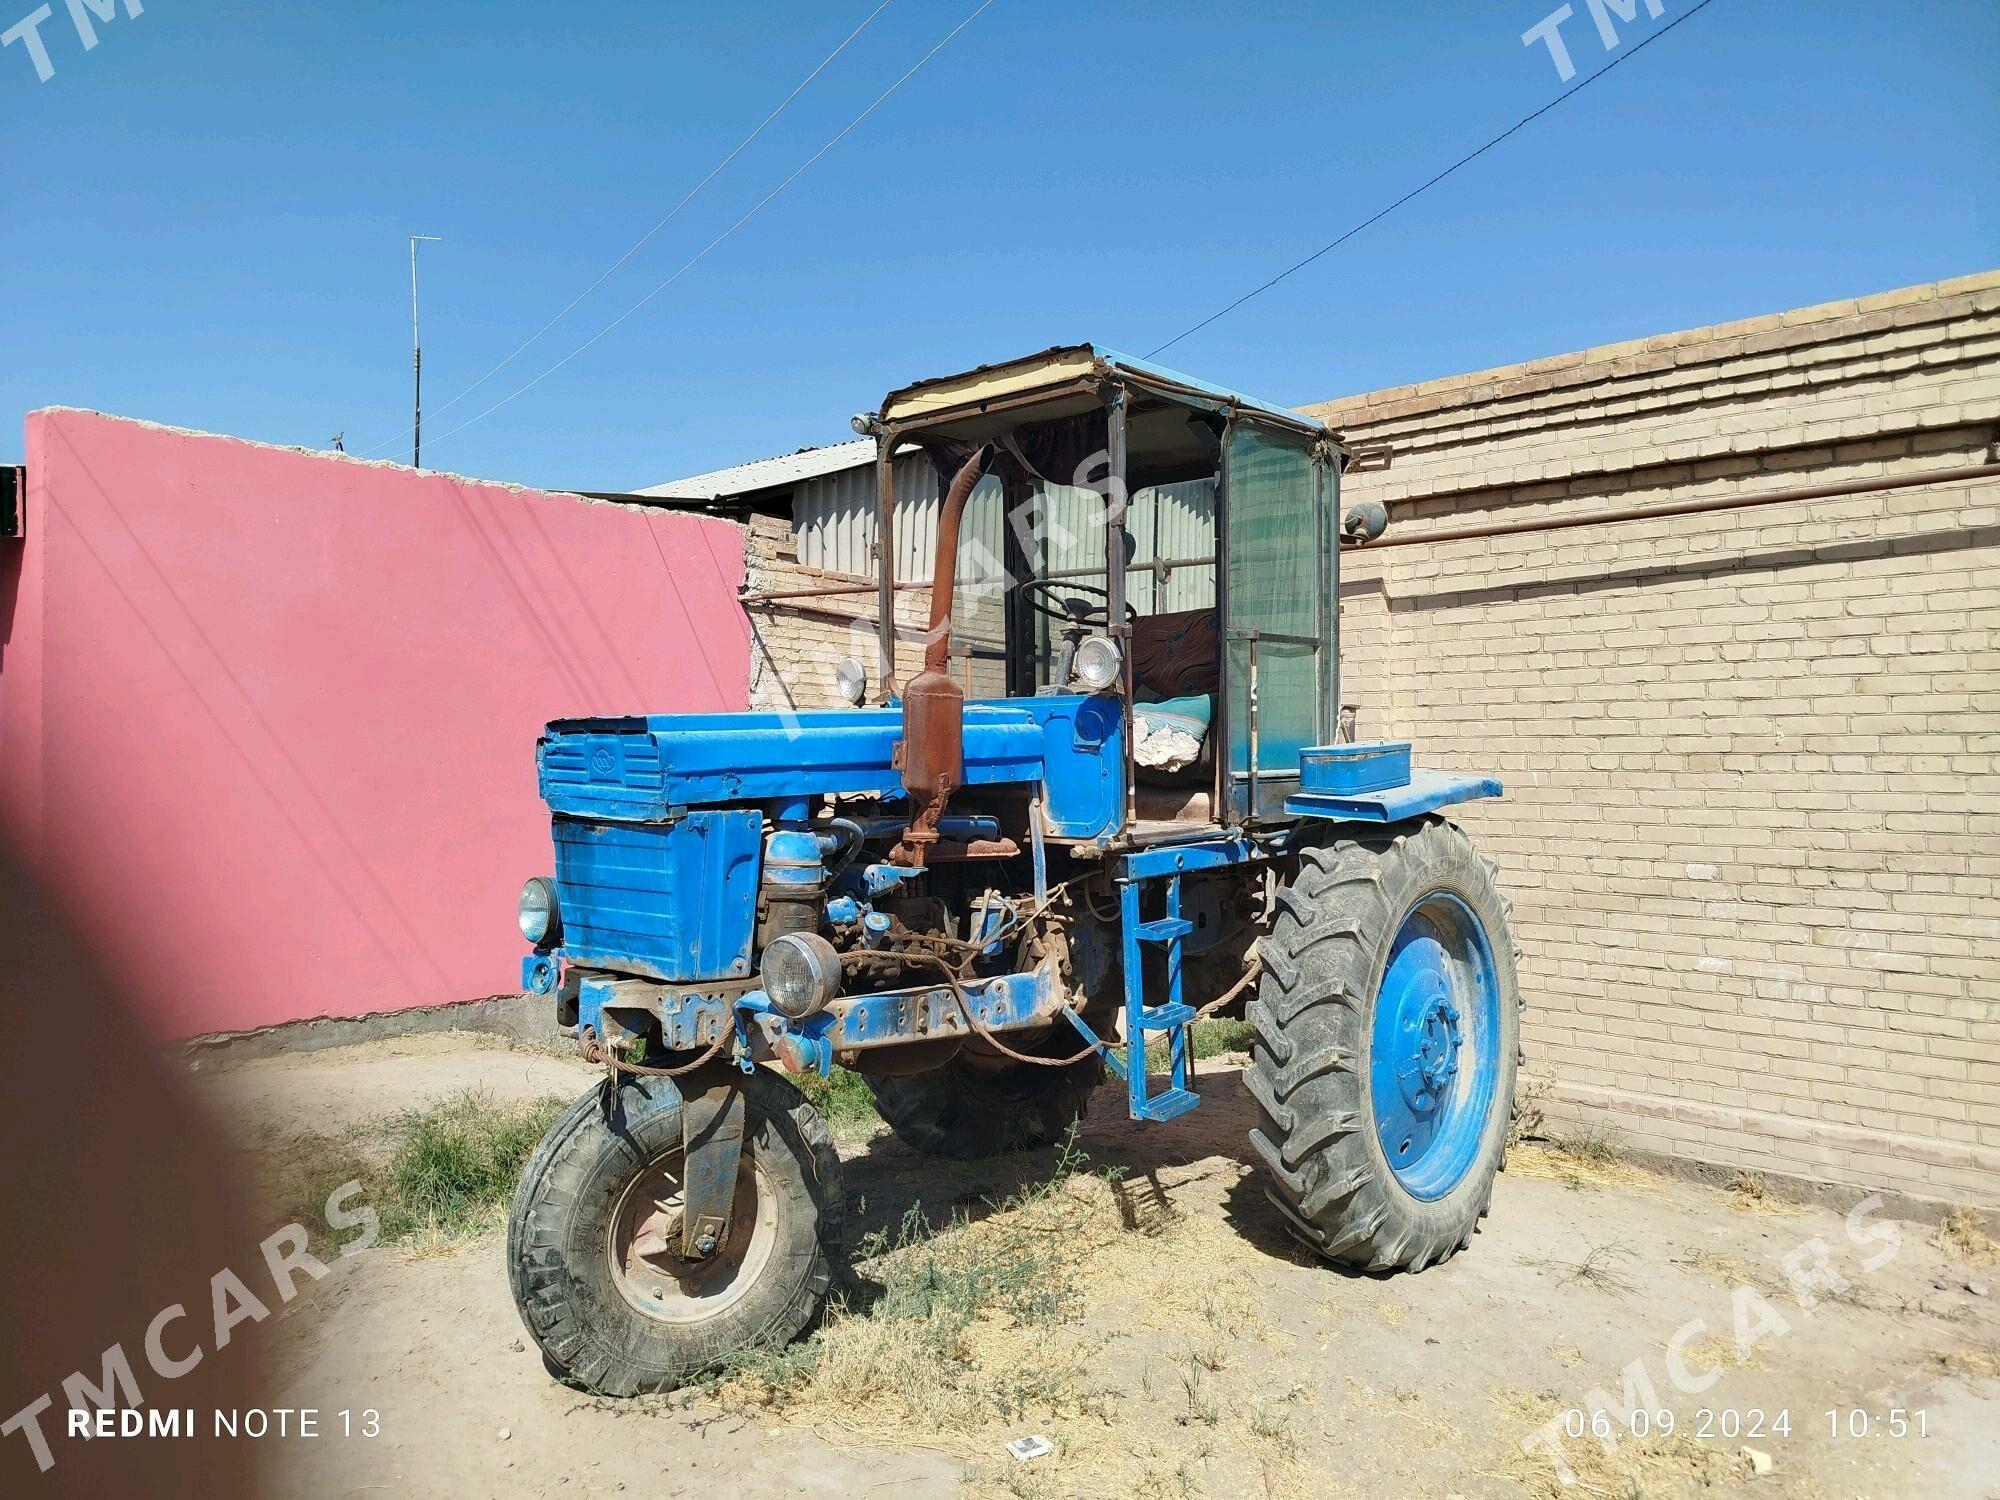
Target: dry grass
[(1066, 1311), (1598, 1268), (1962, 1235), (1751, 1194), (1973, 1359), (1588, 1159), (1720, 1354), (1531, 1117), (1722, 1267), (1651, 1468)]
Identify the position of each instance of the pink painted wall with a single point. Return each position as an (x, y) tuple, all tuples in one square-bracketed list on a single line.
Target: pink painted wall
[(267, 719)]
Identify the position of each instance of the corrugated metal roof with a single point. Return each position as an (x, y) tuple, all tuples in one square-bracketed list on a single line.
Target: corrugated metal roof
[(769, 473)]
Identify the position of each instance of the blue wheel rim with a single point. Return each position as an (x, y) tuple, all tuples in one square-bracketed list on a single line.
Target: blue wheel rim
[(1434, 1046)]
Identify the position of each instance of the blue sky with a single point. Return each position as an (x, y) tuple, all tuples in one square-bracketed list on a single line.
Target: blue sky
[(203, 217)]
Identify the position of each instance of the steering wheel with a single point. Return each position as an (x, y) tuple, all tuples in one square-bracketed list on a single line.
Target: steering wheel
[(1074, 606)]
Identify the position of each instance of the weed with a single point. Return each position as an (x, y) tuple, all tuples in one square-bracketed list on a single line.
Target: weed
[(457, 1164), (1595, 1269), (844, 1098), (1215, 1036), (1531, 1119), (964, 1334), (948, 1296), (1208, 1356), (1203, 1407), (1962, 1235), (1273, 1425), (1596, 1144), (433, 1175)]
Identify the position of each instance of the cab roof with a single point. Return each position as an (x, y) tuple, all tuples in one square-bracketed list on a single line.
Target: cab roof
[(1069, 377)]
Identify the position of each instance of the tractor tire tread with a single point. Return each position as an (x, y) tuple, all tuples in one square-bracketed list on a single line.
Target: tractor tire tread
[(1323, 957), (599, 1344), (967, 1113)]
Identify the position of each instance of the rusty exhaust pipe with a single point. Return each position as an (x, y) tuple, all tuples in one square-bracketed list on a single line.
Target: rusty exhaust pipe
[(932, 754)]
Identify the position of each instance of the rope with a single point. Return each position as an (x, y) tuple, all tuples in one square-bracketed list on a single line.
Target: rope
[(986, 1035), (615, 1065), (1256, 968)]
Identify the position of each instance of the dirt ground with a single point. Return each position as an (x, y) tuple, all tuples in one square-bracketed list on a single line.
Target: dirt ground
[(1235, 1365)]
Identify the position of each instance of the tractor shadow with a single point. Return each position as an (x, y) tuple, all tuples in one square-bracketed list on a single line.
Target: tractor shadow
[(1200, 1163)]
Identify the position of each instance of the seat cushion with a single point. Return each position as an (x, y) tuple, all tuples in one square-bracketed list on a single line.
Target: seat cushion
[(1168, 736)]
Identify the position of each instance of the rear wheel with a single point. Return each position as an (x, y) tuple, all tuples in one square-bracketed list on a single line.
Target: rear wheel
[(1387, 1040), (593, 1244), (968, 1110)]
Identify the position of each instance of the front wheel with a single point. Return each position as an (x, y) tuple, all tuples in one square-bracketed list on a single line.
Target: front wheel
[(1387, 1039), (593, 1244)]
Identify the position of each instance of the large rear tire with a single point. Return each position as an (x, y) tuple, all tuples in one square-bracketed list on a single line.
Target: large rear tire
[(591, 1245), (1387, 1042), (966, 1111)]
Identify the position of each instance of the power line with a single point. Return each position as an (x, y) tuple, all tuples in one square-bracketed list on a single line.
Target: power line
[(760, 205), (1518, 125), (672, 213)]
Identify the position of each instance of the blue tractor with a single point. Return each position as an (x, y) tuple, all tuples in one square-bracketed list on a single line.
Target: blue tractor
[(982, 902)]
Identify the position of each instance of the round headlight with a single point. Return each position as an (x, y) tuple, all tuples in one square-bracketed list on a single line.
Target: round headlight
[(850, 680), (800, 973), (1097, 662), (540, 917)]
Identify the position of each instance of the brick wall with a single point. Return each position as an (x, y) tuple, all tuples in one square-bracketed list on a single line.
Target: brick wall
[(1752, 824), (795, 644)]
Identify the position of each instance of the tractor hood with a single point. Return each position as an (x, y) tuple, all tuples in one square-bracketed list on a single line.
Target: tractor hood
[(654, 768)]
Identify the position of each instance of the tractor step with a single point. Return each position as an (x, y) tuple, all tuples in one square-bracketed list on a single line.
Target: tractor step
[(1167, 1103), (1171, 1017)]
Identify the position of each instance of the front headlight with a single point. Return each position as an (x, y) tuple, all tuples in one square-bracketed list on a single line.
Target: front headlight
[(540, 917), (800, 973), (850, 681), (1097, 662)]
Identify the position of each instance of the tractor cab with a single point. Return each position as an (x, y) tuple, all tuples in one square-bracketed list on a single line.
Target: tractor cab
[(1101, 793), (1133, 532)]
